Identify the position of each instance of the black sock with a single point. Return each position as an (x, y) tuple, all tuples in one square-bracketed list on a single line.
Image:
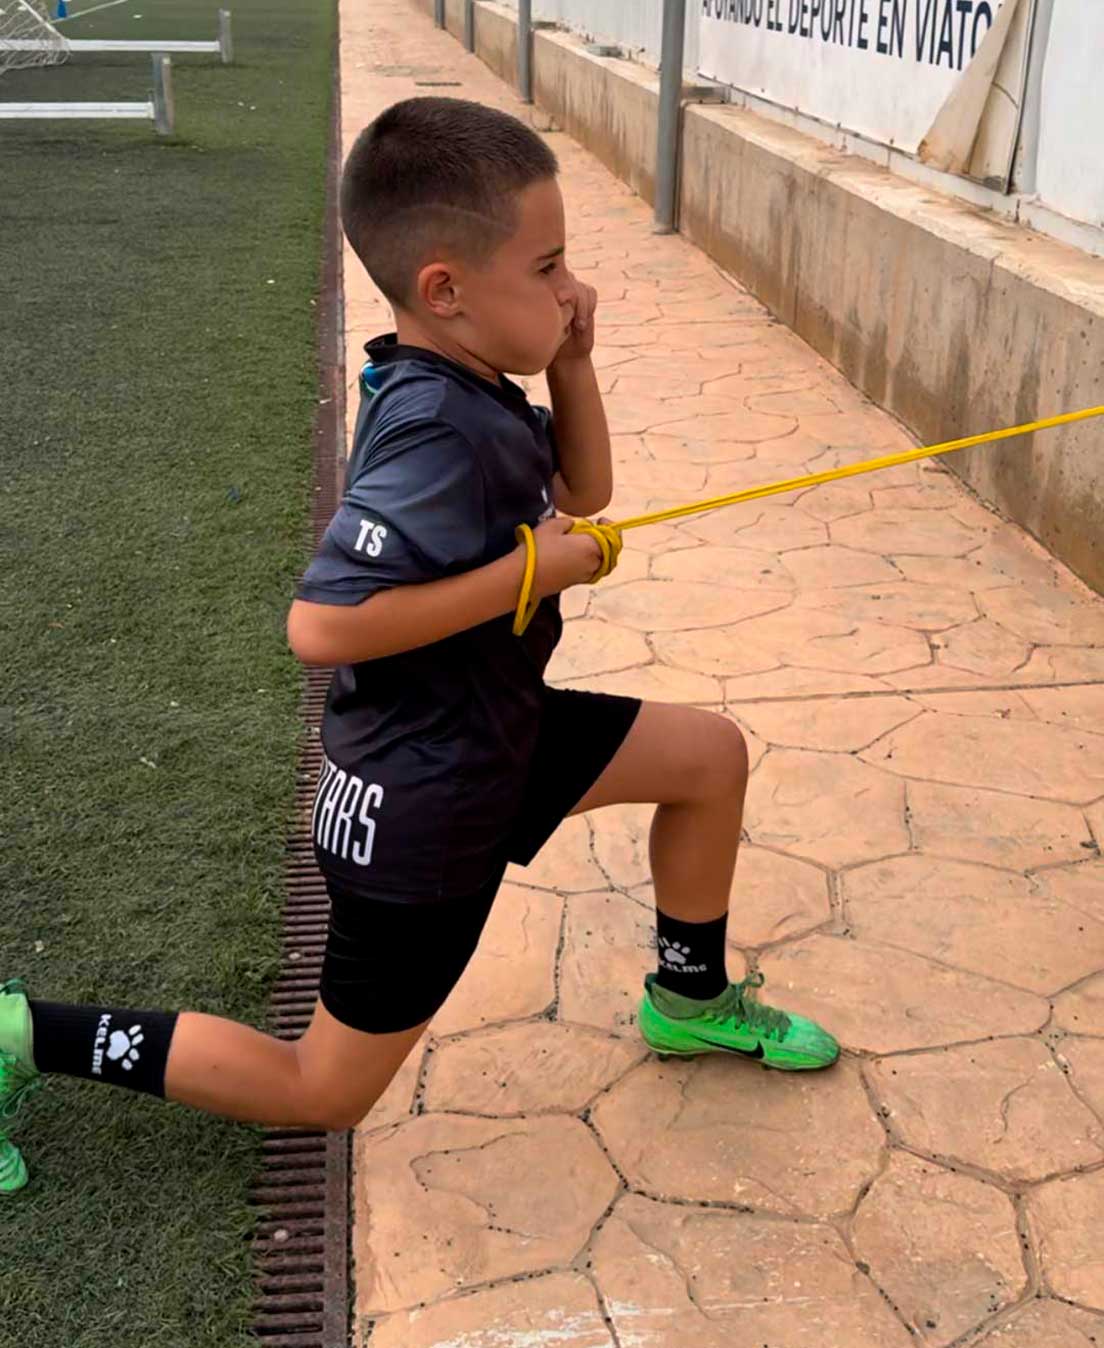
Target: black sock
[(692, 956), (97, 1043)]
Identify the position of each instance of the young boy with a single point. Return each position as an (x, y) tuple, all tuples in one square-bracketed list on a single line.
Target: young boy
[(446, 756)]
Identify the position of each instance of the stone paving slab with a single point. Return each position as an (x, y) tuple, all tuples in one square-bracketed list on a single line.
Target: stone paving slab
[(681, 1275), (922, 690), (772, 1142), (1008, 1107), (561, 1308), (942, 1246), (1046, 1324)]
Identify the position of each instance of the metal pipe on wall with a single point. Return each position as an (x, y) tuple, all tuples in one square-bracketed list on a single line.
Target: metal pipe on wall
[(525, 50), (469, 25), (1025, 158), (670, 98), (439, 13)]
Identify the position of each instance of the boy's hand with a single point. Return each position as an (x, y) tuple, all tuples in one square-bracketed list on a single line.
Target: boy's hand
[(563, 558), (579, 342)]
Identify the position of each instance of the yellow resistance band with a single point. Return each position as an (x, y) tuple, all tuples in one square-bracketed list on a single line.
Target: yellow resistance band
[(608, 536)]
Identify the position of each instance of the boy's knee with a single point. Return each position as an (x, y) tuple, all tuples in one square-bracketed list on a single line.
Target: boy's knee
[(727, 767), (329, 1100), (335, 1114), (343, 1117)]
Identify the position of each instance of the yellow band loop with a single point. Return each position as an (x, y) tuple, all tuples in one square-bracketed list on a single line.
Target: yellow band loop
[(526, 605), (608, 538)]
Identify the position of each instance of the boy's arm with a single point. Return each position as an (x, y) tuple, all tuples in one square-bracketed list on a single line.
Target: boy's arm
[(404, 618), (584, 484), (409, 616)]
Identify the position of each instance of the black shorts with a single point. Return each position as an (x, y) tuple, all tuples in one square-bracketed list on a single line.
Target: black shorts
[(390, 965)]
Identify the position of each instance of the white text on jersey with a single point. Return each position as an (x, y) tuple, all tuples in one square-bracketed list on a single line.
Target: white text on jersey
[(370, 539), (341, 823)]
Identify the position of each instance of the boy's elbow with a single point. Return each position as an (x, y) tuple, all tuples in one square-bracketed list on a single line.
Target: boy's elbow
[(304, 638), (325, 635)]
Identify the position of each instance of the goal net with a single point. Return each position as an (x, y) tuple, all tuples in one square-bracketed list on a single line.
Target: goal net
[(27, 37)]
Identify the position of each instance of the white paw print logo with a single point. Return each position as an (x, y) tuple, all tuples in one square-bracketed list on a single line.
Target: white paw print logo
[(124, 1044), (673, 952)]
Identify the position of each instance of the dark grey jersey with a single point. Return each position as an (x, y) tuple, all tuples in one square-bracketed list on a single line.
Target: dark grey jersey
[(427, 751)]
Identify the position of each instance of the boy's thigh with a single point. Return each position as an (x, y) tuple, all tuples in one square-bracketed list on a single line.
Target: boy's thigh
[(672, 755), (580, 735), (388, 968)]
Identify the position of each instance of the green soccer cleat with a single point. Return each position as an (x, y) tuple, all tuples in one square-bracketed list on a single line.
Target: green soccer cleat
[(18, 1077), (734, 1022)]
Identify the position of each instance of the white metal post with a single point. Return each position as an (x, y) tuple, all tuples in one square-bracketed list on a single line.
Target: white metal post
[(164, 114), (226, 42)]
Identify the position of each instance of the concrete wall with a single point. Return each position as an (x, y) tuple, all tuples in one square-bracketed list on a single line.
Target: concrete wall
[(454, 18), (633, 25), (952, 319), (496, 40), (454, 15), (609, 106), (495, 33)]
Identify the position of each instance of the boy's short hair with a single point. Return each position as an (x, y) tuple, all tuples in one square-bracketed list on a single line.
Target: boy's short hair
[(436, 174)]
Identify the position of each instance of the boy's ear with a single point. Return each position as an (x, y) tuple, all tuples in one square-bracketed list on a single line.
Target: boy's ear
[(438, 290)]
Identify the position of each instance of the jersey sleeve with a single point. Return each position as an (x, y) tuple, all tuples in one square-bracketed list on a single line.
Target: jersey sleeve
[(544, 416), (416, 512)]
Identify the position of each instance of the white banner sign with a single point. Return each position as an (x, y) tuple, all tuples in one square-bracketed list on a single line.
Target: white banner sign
[(882, 68), (1071, 115)]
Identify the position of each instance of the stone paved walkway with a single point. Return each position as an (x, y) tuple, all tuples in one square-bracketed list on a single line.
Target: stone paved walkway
[(923, 693)]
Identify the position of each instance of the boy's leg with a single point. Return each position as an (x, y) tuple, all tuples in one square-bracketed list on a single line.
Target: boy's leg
[(693, 764), (330, 1078), (388, 968)]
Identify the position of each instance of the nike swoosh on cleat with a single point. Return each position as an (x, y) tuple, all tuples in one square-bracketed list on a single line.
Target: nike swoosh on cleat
[(756, 1052)]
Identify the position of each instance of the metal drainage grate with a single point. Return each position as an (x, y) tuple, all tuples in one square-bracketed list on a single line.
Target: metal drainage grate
[(301, 1243)]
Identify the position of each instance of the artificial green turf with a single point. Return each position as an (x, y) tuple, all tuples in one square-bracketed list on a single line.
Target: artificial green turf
[(159, 377)]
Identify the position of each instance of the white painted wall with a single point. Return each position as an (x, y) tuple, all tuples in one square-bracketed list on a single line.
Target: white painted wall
[(635, 25), (1069, 167), (888, 97)]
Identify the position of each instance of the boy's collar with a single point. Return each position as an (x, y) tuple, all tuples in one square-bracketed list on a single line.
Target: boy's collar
[(385, 349)]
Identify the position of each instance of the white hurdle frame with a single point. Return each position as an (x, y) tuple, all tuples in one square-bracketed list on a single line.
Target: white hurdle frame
[(223, 44), (160, 108)]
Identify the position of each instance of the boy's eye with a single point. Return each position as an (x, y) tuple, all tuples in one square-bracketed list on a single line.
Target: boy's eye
[(550, 267)]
